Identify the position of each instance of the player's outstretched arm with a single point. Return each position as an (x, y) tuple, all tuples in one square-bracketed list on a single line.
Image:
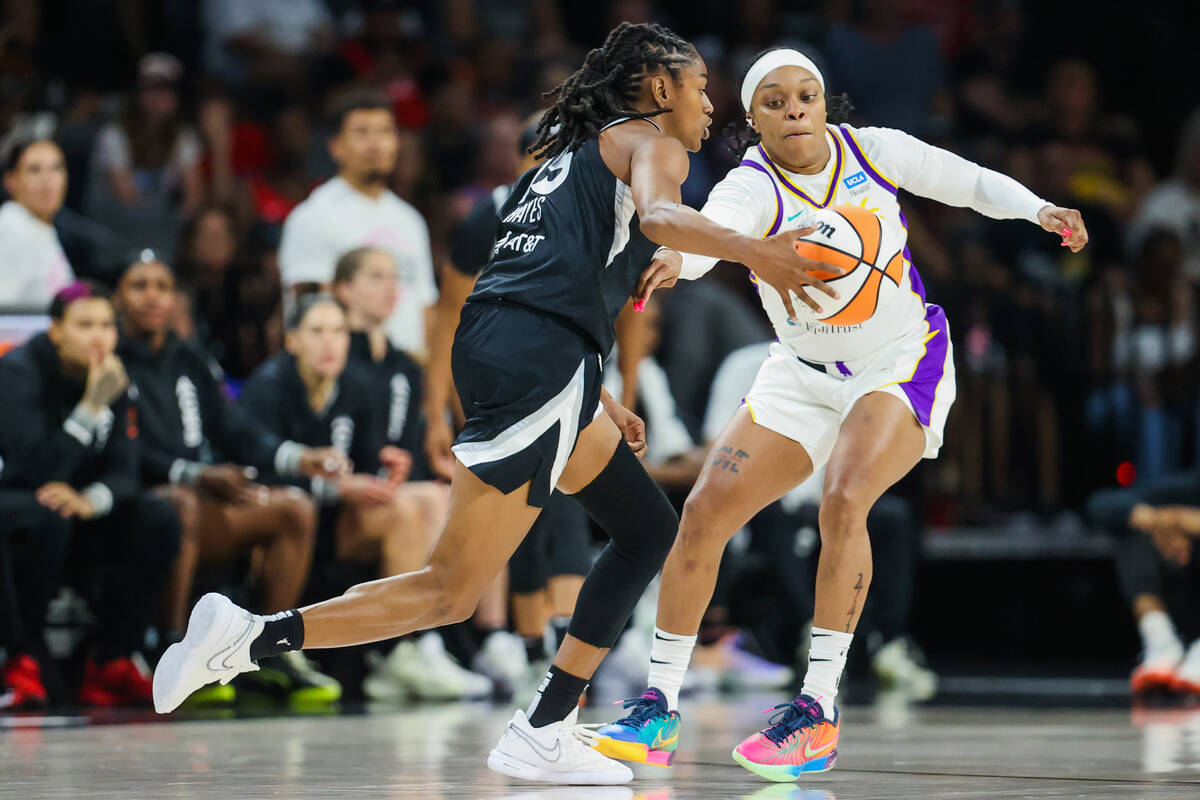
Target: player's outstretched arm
[(657, 170)]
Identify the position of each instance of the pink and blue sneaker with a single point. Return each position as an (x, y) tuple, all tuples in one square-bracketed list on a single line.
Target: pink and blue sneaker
[(648, 734), (801, 739)]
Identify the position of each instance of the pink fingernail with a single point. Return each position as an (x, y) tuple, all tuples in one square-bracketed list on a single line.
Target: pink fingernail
[(639, 305)]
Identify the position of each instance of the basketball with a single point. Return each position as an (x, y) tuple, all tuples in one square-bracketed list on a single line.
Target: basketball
[(872, 257)]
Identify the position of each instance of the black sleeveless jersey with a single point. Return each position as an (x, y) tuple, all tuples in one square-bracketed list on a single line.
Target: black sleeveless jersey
[(568, 244)]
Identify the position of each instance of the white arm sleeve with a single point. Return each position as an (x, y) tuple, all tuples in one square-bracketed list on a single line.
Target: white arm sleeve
[(940, 175), (744, 201)]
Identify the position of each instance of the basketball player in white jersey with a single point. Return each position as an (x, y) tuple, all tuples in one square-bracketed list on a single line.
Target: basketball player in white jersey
[(865, 400)]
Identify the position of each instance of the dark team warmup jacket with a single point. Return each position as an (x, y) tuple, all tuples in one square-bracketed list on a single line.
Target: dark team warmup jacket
[(185, 419), (395, 387), (275, 397), (45, 436)]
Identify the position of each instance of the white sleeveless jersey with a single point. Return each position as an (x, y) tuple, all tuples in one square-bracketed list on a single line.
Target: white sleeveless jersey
[(867, 167)]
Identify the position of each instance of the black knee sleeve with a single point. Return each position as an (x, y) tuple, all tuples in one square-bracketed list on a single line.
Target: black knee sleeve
[(641, 526)]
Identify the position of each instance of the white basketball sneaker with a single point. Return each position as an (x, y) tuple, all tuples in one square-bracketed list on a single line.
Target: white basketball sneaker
[(215, 648), (422, 669), (553, 754), (502, 658)]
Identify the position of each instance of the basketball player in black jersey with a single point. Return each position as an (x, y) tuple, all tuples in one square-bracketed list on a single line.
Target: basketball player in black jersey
[(576, 237)]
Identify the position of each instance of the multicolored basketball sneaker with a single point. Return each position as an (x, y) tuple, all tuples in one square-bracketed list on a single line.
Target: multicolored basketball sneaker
[(648, 734), (801, 740)]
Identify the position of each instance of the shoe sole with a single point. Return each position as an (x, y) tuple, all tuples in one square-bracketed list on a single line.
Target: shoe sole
[(1151, 681), (1185, 686), (635, 752), (515, 768), (211, 696), (786, 773), (177, 677)]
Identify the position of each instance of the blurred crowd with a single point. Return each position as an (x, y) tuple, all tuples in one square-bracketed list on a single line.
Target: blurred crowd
[(211, 161)]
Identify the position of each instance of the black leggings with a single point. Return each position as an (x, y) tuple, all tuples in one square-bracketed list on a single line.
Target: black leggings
[(641, 525), (120, 561), (35, 541), (558, 544), (1141, 569)]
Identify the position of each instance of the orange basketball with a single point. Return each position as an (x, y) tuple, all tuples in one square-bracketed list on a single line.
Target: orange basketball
[(855, 240)]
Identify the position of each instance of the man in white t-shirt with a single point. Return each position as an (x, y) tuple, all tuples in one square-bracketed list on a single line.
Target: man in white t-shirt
[(33, 266), (356, 209)]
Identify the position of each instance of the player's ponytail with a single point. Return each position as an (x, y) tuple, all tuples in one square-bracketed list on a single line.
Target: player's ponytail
[(608, 85), (740, 136)]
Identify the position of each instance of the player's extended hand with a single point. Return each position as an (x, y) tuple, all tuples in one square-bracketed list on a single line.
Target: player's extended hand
[(776, 261), (663, 272), (438, 439), (632, 427), (63, 500), (1067, 223)]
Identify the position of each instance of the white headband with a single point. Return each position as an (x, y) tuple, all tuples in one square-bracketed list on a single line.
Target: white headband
[(772, 61)]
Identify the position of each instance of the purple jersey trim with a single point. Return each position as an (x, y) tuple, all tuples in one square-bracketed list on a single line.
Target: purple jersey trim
[(866, 165), (774, 229)]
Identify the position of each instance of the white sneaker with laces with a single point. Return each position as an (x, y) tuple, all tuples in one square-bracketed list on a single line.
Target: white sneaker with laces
[(553, 754), (215, 648), (502, 658), (422, 669)]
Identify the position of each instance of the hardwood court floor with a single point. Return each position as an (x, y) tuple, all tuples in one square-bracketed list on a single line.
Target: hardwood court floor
[(439, 752)]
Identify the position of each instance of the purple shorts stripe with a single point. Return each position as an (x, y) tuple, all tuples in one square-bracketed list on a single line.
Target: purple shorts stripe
[(866, 165), (921, 388), (774, 229)]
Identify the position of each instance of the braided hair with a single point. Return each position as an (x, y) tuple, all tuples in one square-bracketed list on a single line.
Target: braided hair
[(740, 136), (608, 85)]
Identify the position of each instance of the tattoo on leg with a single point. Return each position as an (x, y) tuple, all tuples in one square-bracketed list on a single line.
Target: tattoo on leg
[(858, 587), (728, 458)]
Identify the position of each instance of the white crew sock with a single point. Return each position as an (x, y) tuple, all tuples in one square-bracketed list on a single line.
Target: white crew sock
[(1158, 632), (669, 657), (826, 661)]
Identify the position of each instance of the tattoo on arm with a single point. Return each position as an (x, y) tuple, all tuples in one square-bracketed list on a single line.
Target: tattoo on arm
[(858, 587), (729, 458)]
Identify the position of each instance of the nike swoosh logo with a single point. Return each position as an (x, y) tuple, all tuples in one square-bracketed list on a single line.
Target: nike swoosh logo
[(654, 660), (808, 753), (229, 651), (792, 217), (545, 751), (660, 742)]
